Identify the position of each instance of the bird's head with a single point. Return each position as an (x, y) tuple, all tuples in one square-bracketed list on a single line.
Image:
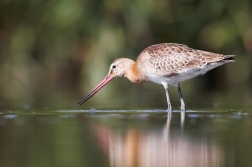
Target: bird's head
[(118, 68)]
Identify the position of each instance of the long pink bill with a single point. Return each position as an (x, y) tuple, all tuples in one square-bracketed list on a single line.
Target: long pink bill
[(104, 82)]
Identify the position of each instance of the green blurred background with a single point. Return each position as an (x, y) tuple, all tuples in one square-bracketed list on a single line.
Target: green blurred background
[(53, 52)]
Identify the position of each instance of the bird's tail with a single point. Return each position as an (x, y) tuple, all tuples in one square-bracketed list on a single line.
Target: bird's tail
[(228, 58)]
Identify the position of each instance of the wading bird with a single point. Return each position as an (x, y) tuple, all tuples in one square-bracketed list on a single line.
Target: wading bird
[(166, 64)]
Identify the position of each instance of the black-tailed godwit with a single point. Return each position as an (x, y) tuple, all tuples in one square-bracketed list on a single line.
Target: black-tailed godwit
[(166, 64)]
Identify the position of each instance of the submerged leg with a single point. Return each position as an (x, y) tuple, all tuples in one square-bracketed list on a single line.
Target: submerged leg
[(169, 109), (182, 107)]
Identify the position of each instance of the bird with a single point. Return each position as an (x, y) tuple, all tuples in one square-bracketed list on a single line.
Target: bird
[(167, 64)]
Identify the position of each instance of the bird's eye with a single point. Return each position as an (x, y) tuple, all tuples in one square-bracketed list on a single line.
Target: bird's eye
[(114, 66)]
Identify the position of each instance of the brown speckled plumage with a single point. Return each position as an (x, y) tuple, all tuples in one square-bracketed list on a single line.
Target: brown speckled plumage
[(166, 64), (170, 59)]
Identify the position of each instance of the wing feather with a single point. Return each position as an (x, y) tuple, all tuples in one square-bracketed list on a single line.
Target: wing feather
[(171, 58)]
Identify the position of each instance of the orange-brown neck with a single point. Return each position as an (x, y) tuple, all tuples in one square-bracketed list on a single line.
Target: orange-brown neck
[(133, 74)]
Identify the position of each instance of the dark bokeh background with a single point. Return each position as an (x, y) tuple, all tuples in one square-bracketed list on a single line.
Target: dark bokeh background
[(52, 52)]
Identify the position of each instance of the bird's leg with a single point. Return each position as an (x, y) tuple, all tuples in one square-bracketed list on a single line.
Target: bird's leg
[(168, 98), (182, 107)]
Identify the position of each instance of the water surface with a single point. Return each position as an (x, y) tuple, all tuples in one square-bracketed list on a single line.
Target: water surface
[(130, 138)]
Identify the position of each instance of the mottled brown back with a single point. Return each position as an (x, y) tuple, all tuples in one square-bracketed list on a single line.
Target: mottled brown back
[(170, 58)]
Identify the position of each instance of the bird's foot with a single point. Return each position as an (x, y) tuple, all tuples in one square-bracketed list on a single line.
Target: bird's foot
[(182, 108), (169, 108)]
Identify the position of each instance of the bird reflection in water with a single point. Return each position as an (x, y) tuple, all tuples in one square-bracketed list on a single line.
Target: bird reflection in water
[(167, 146)]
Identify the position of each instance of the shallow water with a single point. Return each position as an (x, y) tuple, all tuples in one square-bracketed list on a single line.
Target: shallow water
[(137, 138)]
